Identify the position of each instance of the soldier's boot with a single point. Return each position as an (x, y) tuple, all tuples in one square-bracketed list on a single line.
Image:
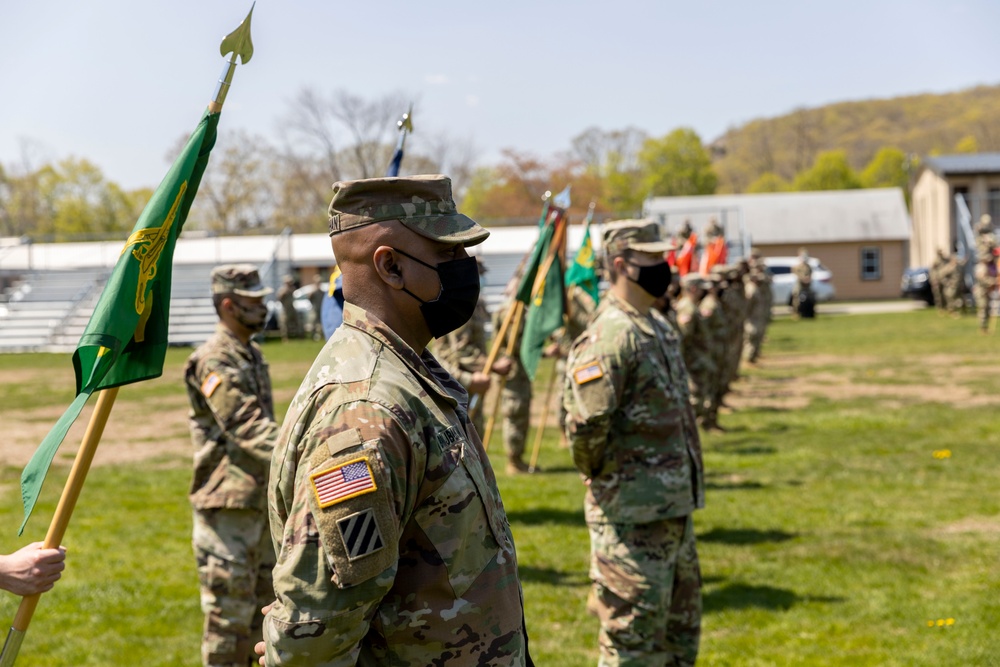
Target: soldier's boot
[(517, 466)]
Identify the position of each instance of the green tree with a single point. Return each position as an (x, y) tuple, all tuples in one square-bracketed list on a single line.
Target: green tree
[(830, 171), (676, 165), (888, 169), (769, 182)]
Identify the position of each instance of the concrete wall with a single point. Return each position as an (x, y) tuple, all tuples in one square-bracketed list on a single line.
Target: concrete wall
[(844, 261)]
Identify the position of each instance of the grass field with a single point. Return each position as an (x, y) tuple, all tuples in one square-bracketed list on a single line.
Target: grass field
[(853, 513)]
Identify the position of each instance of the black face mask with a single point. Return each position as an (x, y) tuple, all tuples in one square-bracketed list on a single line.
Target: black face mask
[(654, 279), (457, 300), (251, 317)]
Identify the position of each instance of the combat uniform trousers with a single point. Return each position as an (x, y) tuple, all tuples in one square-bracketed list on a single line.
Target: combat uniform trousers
[(646, 592), (516, 408), (701, 375), (981, 296), (235, 558)]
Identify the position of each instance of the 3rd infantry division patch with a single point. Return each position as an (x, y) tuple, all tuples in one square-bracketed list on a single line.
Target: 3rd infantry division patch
[(361, 534)]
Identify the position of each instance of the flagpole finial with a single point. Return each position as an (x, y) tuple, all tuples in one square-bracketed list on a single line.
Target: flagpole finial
[(405, 123), (592, 206), (547, 195), (236, 44)]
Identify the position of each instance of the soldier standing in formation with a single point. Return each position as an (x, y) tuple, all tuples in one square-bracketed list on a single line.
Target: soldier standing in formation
[(393, 544), (760, 299), (515, 399), (288, 319), (802, 292), (463, 353), (316, 297), (628, 412), (696, 345), (953, 290), (233, 432)]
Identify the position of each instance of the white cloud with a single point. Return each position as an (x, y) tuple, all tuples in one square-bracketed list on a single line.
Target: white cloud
[(436, 79), (472, 100)]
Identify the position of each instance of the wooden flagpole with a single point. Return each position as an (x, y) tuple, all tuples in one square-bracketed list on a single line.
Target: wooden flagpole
[(60, 521)]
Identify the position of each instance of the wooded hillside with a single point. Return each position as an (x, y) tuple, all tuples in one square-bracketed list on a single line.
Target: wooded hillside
[(964, 121)]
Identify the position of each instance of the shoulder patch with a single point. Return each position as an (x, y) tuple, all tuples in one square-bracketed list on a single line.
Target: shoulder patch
[(587, 372), (210, 384), (346, 480), (361, 534)]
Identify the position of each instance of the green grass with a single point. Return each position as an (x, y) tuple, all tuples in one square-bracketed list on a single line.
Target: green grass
[(832, 534)]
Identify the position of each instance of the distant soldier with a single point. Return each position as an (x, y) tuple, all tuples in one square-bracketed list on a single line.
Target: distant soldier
[(316, 302), (714, 321), (515, 400), (288, 320), (953, 285), (702, 371), (628, 414), (802, 292), (983, 287), (986, 241), (935, 275), (759, 299), (233, 431)]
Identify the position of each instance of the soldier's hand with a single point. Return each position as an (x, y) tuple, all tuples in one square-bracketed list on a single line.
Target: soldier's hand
[(479, 384), (259, 650), (32, 569), (552, 350), (502, 366)]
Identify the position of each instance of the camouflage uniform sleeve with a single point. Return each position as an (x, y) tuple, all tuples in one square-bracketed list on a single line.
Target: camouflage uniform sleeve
[(453, 359), (237, 407), (594, 385), (337, 551)]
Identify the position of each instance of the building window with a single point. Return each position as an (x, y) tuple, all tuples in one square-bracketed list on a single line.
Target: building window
[(871, 263)]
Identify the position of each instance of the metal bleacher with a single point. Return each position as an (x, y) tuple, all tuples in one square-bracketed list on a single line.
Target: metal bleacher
[(47, 311)]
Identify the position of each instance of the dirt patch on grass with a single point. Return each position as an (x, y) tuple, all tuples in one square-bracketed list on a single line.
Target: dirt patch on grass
[(987, 525), (787, 382)]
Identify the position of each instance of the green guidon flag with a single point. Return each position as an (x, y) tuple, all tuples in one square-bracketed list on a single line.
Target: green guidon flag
[(582, 271), (126, 339), (544, 310)]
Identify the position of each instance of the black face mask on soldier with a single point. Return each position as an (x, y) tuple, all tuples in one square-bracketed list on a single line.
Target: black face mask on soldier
[(654, 279), (456, 302), (252, 317)]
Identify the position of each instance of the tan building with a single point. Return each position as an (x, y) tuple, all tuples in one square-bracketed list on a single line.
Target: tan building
[(862, 236), (950, 194)]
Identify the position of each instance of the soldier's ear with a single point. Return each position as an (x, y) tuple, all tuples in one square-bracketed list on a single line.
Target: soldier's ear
[(387, 268)]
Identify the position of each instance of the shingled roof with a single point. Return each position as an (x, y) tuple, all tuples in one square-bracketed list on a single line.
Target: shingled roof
[(971, 163)]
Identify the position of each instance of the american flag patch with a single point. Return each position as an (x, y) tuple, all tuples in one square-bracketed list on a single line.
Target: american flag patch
[(210, 384), (347, 480), (591, 371)]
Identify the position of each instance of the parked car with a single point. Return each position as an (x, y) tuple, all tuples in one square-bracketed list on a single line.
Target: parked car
[(783, 280), (302, 306), (916, 284)]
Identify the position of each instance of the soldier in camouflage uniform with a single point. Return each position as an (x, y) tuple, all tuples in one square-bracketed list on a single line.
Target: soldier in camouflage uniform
[(633, 436), (986, 240), (935, 275), (393, 544), (759, 299), (953, 285), (697, 353), (714, 327), (515, 399), (463, 353), (233, 431), (985, 276)]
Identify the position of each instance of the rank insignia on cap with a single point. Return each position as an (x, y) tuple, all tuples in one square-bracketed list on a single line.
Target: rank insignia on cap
[(589, 372), (210, 384), (344, 481), (361, 534)]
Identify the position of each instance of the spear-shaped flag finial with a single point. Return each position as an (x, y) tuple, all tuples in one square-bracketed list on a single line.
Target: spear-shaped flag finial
[(405, 126), (236, 44)]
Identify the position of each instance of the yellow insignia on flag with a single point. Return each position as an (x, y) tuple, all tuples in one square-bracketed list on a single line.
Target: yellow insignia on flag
[(588, 372), (210, 384), (347, 480)]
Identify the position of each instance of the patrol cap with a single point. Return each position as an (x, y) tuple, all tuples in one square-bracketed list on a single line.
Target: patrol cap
[(240, 279), (692, 279), (422, 203), (641, 235)]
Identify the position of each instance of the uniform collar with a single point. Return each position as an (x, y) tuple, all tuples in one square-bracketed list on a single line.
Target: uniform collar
[(424, 366), (644, 322)]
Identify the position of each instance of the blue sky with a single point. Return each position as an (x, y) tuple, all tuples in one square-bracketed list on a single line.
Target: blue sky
[(118, 82)]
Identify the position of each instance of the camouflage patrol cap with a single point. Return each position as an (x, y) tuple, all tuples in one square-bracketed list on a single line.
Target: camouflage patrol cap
[(641, 235), (424, 204), (240, 279)]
